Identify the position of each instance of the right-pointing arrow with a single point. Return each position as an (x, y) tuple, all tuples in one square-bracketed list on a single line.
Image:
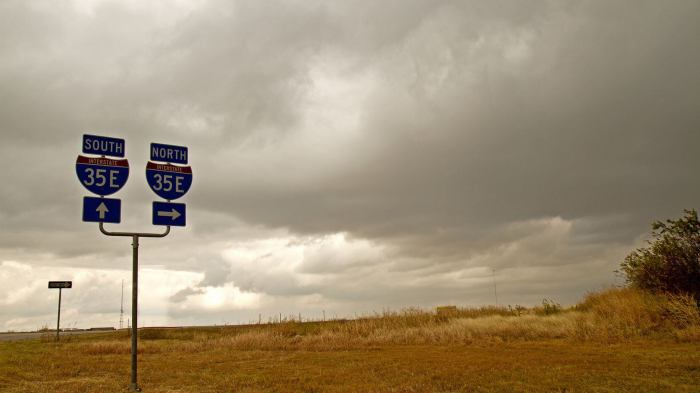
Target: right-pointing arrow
[(102, 210), (173, 214)]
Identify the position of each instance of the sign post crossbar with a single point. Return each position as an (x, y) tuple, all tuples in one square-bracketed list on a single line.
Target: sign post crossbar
[(134, 292)]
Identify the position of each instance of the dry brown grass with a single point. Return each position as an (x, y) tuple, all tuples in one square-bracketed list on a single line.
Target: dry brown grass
[(611, 316), (620, 314), (615, 340), (614, 315)]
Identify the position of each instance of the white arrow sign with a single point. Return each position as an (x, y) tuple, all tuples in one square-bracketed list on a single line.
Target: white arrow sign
[(102, 210), (173, 214)]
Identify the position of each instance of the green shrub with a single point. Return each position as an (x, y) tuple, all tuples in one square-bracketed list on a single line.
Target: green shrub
[(671, 262)]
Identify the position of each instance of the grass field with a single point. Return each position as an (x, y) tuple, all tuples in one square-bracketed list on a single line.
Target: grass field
[(617, 341)]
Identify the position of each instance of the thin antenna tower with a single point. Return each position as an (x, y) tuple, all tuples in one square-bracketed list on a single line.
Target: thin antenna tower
[(121, 311), (495, 291)]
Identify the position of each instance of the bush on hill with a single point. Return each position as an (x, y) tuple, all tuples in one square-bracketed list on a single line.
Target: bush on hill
[(671, 262)]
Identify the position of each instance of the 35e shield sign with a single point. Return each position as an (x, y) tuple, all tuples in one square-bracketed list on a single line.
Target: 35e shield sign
[(168, 181), (100, 175)]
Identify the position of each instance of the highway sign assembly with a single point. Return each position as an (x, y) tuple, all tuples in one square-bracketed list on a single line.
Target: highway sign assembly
[(60, 285), (105, 176), (102, 210), (167, 213)]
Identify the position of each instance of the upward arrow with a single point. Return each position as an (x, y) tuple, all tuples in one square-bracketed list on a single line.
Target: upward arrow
[(102, 210)]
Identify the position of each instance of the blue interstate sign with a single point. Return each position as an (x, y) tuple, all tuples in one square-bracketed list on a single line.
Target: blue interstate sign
[(168, 181), (168, 153), (103, 146), (102, 176), (166, 213), (102, 210)]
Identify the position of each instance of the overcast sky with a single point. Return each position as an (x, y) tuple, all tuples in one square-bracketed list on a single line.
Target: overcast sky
[(348, 156)]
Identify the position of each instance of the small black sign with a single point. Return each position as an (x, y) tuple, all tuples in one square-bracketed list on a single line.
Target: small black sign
[(60, 284)]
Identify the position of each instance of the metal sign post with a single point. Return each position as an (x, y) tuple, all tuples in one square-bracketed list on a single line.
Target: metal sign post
[(134, 293), (105, 176), (58, 318), (60, 285)]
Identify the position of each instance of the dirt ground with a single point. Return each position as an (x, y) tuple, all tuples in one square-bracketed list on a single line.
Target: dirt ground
[(170, 366)]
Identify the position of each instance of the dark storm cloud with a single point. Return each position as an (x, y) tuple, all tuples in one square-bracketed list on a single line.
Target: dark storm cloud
[(578, 110), (442, 138)]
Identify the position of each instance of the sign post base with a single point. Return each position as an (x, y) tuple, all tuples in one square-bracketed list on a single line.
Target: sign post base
[(134, 387)]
